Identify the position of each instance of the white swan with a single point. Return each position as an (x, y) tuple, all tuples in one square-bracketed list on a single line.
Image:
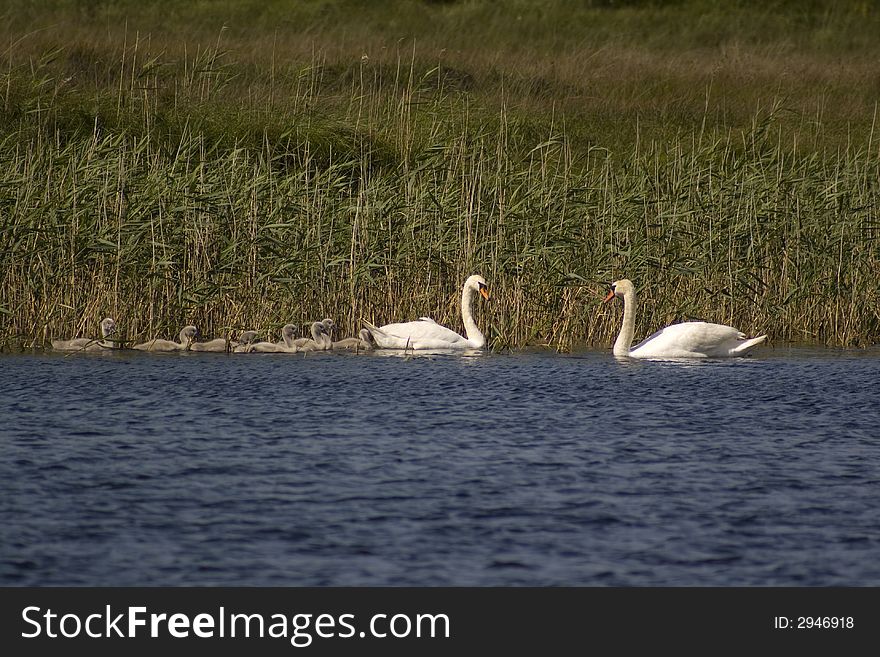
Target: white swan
[(361, 343), (286, 345), (108, 326), (187, 334), (425, 333), (685, 340)]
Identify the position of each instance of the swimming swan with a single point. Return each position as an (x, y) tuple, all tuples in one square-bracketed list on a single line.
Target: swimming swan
[(320, 340), (108, 326), (286, 345), (246, 342), (425, 333), (361, 343), (301, 342), (684, 340), (217, 345), (187, 334), (222, 345)]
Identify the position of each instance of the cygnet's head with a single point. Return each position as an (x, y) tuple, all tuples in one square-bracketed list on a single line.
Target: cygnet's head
[(188, 334), (108, 326), (247, 337), (619, 289), (289, 331), (329, 326), (365, 335)]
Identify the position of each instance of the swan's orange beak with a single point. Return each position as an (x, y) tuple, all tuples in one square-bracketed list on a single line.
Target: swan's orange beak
[(609, 296), (484, 291)]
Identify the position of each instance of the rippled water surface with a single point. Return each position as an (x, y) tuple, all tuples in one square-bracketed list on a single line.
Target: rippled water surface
[(524, 469)]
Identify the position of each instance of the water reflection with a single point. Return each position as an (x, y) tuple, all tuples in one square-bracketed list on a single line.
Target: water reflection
[(421, 353), (627, 361)]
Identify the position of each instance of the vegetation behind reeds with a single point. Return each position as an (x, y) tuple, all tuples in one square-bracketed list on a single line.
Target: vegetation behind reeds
[(242, 165)]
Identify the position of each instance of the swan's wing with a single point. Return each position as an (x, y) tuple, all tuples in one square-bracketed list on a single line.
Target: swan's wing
[(426, 319), (416, 335), (159, 344), (692, 339), (216, 345), (263, 347), (386, 338), (685, 339)]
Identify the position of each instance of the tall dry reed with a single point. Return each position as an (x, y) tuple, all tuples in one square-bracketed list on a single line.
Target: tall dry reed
[(234, 191)]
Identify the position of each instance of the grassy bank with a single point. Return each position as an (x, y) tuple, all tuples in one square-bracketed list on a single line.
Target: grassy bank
[(241, 165)]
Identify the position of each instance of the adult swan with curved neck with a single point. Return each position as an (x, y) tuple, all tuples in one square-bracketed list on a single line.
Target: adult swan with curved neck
[(685, 340), (425, 333)]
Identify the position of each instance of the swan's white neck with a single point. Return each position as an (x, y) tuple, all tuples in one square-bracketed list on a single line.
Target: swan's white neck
[(625, 337), (474, 335)]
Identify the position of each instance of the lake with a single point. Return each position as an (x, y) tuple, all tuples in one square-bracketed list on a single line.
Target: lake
[(529, 468)]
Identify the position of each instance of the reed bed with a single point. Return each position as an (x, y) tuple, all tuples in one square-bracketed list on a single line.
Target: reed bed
[(167, 189)]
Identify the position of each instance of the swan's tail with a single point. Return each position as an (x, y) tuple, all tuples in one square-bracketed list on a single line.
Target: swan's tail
[(367, 337), (747, 346), (374, 330)]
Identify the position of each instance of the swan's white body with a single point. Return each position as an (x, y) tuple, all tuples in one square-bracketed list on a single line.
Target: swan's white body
[(187, 334), (685, 340), (425, 333), (108, 326)]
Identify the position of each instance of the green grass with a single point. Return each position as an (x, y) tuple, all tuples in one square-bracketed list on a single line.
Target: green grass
[(242, 165)]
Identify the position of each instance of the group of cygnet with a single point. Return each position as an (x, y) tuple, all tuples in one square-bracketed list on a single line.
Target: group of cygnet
[(321, 340), (423, 333)]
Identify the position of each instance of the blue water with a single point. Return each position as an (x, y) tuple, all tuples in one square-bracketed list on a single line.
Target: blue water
[(363, 469)]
